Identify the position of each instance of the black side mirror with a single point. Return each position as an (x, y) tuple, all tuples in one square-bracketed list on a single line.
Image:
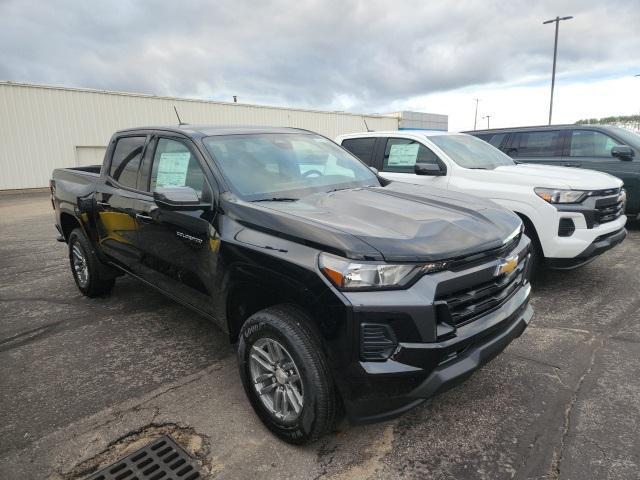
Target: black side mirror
[(177, 198), (428, 169), (623, 152)]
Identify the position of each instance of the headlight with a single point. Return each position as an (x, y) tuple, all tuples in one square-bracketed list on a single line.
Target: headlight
[(561, 196), (623, 197), (351, 275)]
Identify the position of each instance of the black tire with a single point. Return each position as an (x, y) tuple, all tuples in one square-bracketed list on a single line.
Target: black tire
[(96, 283), (290, 327), (537, 256)]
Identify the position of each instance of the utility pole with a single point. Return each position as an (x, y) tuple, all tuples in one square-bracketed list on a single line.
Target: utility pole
[(487, 117), (638, 75), (475, 118), (557, 21)]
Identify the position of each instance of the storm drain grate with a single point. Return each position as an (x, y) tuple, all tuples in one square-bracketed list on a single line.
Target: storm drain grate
[(162, 459)]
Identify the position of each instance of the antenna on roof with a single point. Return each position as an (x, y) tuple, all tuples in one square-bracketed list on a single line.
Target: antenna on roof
[(365, 123), (180, 122)]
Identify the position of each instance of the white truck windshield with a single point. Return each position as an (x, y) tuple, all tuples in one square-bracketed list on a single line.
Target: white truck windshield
[(471, 152)]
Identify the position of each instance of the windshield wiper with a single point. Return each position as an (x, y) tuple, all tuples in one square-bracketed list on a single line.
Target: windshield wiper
[(277, 199), (337, 190)]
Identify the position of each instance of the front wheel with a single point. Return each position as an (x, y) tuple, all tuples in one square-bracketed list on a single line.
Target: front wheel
[(285, 374), (537, 257), (86, 266)]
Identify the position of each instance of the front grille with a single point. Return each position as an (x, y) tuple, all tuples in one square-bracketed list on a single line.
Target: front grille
[(609, 208), (377, 341), (464, 306), (462, 263)]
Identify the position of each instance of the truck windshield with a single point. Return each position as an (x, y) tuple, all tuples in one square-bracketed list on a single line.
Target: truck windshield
[(632, 139), (285, 166), (471, 152)]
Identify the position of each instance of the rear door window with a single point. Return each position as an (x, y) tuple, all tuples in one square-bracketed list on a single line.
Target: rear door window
[(361, 148), (402, 154), (126, 160), (590, 143), (539, 144)]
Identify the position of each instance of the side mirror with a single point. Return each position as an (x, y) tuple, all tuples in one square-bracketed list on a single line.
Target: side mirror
[(623, 152), (177, 198), (374, 170), (428, 169)]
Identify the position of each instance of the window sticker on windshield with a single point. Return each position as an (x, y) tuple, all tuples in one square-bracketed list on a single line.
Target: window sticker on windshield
[(172, 169), (403, 155)]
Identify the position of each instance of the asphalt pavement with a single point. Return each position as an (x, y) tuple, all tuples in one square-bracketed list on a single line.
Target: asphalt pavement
[(85, 381)]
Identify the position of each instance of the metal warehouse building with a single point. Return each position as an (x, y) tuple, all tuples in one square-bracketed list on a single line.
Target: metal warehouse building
[(46, 127)]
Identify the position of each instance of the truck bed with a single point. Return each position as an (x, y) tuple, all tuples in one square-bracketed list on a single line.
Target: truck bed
[(70, 184)]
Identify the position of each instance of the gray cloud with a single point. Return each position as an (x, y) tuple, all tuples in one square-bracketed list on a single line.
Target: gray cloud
[(365, 54)]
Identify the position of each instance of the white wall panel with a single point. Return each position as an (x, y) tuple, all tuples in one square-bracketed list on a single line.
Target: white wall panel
[(41, 127)]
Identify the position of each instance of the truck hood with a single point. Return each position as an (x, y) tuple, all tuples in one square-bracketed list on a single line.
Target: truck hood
[(554, 177), (398, 222)]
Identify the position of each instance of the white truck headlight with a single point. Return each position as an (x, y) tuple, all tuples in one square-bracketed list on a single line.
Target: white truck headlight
[(353, 275), (561, 196)]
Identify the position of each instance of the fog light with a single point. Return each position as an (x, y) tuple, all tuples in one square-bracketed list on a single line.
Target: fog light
[(566, 227), (377, 342)]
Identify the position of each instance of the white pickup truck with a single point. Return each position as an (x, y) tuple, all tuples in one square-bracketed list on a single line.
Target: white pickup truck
[(571, 215)]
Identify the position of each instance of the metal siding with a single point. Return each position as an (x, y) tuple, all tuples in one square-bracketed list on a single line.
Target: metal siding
[(40, 127)]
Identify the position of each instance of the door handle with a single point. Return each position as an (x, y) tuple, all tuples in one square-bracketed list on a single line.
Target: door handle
[(103, 204), (143, 218)]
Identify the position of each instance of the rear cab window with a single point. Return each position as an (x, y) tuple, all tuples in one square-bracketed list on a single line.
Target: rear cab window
[(125, 160), (361, 148)]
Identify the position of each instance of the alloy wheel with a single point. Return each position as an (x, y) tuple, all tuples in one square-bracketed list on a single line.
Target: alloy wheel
[(80, 265), (276, 379)]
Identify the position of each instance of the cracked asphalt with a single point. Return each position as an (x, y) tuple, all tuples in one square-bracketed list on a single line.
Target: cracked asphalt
[(83, 381)]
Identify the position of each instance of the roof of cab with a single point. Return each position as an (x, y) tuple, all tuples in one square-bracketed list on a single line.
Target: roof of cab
[(212, 130), (396, 133), (542, 127)]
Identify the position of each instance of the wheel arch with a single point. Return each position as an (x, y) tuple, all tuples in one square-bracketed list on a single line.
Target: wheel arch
[(68, 223), (256, 287), (247, 297), (530, 227)]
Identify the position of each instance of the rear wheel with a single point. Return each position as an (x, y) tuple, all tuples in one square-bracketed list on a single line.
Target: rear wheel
[(285, 374), (87, 270)]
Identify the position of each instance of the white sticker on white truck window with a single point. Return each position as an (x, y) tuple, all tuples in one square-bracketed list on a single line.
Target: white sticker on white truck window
[(403, 155), (172, 169)]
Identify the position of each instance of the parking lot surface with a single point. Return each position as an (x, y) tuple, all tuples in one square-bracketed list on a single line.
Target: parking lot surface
[(84, 381)]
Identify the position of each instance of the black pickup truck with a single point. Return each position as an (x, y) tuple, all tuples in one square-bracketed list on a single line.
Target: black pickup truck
[(341, 290)]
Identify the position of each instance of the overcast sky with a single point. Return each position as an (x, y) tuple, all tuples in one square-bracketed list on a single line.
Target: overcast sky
[(360, 56)]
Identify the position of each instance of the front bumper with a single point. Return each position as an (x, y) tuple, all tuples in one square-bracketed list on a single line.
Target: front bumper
[(430, 355), (597, 247), (596, 217), (582, 238), (394, 387)]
